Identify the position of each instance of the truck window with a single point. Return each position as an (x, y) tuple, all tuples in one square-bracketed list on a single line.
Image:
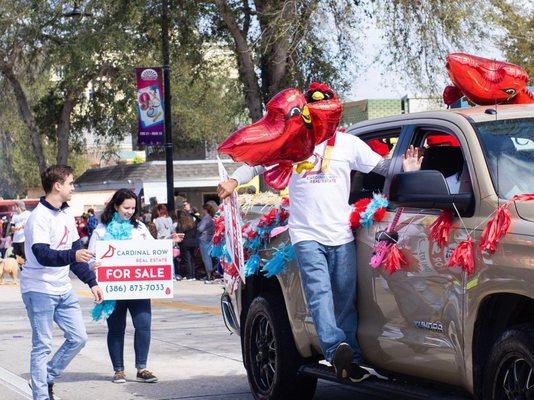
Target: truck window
[(442, 152), (364, 185)]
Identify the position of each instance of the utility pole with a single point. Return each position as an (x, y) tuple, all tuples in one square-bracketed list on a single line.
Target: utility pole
[(167, 101)]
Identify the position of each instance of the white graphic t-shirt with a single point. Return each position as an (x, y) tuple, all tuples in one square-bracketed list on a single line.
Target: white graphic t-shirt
[(319, 201), (56, 228), (19, 221)]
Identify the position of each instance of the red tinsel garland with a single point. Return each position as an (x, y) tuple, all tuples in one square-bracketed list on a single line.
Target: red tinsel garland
[(497, 227), (358, 208), (395, 260), (464, 256), (441, 228), (268, 218)]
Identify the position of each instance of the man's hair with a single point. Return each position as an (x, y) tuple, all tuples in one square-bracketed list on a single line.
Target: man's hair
[(21, 205), (53, 174)]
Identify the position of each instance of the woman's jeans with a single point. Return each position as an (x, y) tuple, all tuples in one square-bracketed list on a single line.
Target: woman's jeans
[(141, 313), (43, 310), (205, 249), (188, 254), (329, 280)]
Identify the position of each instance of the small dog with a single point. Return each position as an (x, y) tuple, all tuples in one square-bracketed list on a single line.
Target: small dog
[(10, 266)]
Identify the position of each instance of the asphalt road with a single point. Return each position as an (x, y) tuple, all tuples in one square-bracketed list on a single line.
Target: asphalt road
[(192, 353)]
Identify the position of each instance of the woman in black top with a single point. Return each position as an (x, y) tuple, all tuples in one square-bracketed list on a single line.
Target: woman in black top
[(187, 224)]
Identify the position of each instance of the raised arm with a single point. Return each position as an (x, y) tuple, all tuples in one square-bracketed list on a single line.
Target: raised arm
[(243, 174)]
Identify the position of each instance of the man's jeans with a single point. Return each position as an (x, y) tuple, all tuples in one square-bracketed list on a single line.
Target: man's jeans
[(329, 279), (43, 309)]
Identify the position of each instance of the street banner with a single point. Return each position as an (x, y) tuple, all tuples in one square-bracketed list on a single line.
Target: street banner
[(232, 224), (150, 114), (135, 269)]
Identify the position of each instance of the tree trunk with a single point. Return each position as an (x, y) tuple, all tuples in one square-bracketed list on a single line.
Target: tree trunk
[(245, 62), (63, 129), (276, 40), (26, 115)]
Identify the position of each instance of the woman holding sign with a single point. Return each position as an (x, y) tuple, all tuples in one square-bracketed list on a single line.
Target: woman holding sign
[(120, 221)]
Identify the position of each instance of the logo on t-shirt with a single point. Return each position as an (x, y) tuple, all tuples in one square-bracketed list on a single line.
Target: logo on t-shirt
[(65, 238)]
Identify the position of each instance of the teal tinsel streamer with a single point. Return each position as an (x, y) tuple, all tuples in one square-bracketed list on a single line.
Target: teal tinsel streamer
[(366, 217), (252, 265), (278, 262), (103, 310)]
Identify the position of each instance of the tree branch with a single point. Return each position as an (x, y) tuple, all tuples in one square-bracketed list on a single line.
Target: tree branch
[(25, 113), (245, 62)]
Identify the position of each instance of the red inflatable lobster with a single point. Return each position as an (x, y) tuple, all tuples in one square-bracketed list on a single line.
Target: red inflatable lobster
[(292, 126), (485, 82)]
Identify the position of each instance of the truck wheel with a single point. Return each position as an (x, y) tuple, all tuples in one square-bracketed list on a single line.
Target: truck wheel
[(270, 355), (509, 373)]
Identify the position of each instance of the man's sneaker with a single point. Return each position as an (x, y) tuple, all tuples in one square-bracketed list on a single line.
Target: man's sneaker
[(342, 360), (51, 394), (119, 377), (357, 373), (146, 376)]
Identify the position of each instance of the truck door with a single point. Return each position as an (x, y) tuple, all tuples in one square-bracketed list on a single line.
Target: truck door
[(411, 321)]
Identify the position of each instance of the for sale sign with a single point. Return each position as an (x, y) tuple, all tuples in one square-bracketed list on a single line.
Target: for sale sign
[(135, 269)]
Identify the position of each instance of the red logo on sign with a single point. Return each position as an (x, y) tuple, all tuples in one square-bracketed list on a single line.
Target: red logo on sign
[(109, 253)]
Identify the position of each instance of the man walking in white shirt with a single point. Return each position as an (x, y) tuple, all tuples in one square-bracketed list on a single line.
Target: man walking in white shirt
[(18, 222), (53, 248)]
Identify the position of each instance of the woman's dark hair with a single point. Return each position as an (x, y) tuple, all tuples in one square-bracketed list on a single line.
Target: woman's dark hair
[(185, 222), (162, 210), (117, 199), (209, 208)]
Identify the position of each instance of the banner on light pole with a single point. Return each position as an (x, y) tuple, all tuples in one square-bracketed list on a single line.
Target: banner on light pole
[(150, 106)]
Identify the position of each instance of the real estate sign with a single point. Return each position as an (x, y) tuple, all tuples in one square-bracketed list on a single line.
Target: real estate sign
[(135, 269)]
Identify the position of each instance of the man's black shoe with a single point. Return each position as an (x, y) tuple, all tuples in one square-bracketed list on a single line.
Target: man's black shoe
[(357, 373), (342, 360), (51, 392)]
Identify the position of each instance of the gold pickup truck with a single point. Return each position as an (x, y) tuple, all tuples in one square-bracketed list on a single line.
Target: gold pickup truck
[(431, 330)]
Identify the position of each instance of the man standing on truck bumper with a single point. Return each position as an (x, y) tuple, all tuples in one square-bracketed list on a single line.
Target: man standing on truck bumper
[(324, 243)]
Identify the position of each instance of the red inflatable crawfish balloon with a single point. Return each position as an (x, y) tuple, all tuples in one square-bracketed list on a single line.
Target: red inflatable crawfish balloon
[(485, 82), (292, 126)]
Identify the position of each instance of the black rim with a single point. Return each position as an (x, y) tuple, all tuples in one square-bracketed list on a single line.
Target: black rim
[(263, 353), (515, 380)]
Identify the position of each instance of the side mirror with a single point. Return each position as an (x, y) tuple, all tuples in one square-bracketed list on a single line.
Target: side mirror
[(427, 189)]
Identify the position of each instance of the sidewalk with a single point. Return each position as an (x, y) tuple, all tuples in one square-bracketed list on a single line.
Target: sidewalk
[(192, 353)]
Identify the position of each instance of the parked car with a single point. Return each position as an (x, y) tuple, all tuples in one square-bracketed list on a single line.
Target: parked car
[(433, 331)]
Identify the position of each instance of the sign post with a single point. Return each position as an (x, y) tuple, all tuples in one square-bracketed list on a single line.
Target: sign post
[(135, 269)]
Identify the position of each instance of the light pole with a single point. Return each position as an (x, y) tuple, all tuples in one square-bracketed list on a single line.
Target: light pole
[(167, 102)]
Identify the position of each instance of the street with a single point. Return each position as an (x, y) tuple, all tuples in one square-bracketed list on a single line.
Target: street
[(191, 353)]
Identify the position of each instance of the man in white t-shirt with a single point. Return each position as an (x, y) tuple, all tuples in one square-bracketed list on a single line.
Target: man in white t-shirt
[(18, 222), (53, 248), (324, 243)]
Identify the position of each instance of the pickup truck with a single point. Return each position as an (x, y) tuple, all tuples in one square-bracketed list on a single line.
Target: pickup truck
[(430, 330)]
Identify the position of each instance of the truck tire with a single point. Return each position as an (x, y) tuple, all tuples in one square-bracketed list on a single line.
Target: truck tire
[(270, 355), (509, 372)]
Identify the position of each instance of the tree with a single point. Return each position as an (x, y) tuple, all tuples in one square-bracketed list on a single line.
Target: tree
[(280, 43), (518, 41), (85, 68)]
